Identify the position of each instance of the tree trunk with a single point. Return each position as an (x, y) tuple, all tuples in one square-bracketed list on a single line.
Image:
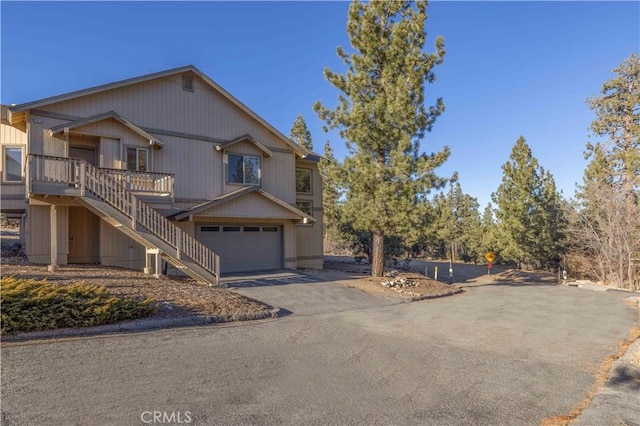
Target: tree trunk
[(377, 255)]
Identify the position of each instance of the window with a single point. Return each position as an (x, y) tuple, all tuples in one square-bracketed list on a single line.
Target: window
[(269, 229), (12, 164), (187, 83), (251, 229), (303, 181), (210, 228), (243, 169), (305, 206), (230, 229), (138, 159)]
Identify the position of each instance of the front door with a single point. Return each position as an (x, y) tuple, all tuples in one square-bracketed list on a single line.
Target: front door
[(84, 236), (88, 154)]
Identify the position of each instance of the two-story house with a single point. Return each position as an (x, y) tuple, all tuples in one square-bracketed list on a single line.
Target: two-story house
[(163, 166)]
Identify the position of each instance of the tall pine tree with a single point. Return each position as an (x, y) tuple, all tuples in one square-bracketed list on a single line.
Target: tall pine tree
[(332, 182), (530, 220), (606, 230), (382, 116), (618, 121), (300, 133)]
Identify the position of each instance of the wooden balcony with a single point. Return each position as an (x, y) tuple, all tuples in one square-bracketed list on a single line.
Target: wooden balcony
[(61, 176)]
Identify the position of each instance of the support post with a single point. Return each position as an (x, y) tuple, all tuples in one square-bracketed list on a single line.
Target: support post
[(158, 270), (157, 252), (53, 267), (134, 211), (82, 179), (147, 262)]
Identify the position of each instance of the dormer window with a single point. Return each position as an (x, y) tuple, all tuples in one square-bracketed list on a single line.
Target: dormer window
[(187, 83), (243, 169)]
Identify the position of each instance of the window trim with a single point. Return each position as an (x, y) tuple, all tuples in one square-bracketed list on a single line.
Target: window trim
[(310, 192), (137, 166), (188, 79), (4, 163), (243, 183), (310, 202)]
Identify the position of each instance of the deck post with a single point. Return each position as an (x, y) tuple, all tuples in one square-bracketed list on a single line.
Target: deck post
[(82, 180), (147, 263), (158, 266), (53, 267)]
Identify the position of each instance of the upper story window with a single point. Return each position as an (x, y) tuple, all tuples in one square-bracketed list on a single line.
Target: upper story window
[(138, 159), (12, 162), (243, 169), (187, 83), (303, 181)]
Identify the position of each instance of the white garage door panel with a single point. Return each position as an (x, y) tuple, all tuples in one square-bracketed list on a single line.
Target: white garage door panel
[(244, 247)]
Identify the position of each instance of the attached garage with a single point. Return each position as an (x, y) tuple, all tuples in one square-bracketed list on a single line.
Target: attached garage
[(244, 248)]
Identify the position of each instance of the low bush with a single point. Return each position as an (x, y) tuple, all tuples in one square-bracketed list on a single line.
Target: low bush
[(30, 305)]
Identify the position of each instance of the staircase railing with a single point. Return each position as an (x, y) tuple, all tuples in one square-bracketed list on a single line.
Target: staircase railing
[(82, 175)]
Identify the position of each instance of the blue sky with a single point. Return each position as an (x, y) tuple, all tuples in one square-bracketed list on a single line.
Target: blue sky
[(512, 68)]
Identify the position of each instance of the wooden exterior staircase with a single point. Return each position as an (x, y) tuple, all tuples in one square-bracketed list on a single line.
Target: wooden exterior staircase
[(110, 196)]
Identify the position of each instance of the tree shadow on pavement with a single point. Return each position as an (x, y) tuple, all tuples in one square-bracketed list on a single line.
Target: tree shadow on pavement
[(625, 376)]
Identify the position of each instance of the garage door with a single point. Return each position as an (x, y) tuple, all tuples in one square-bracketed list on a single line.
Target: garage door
[(244, 248)]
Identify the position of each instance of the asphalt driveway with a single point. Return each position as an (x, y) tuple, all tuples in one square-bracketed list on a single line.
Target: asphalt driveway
[(496, 355)]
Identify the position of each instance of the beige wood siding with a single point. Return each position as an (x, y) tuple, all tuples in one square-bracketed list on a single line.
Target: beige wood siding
[(162, 104), (12, 193), (197, 166), (309, 237), (280, 176), (40, 142), (249, 206), (38, 232), (289, 242), (116, 249), (111, 154)]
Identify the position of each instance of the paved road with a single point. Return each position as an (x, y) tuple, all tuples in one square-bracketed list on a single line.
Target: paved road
[(497, 355)]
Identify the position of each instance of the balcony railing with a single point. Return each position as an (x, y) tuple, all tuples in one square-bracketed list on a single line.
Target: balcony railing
[(143, 183), (62, 170)]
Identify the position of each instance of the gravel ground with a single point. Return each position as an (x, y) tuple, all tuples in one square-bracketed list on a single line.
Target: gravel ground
[(172, 296)]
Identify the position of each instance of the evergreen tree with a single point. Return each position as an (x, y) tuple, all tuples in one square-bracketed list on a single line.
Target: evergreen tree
[(300, 133), (487, 231), (382, 116), (618, 121), (457, 224), (332, 182), (530, 221), (606, 228)]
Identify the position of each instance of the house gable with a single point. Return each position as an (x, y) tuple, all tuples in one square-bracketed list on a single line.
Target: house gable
[(111, 115), (250, 202), (159, 101)]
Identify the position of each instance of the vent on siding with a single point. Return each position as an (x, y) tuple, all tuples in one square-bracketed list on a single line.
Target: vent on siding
[(187, 83)]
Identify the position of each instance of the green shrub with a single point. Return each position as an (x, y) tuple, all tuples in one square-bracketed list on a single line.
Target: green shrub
[(30, 305)]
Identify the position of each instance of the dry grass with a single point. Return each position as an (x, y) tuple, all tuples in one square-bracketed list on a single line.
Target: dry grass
[(601, 378)]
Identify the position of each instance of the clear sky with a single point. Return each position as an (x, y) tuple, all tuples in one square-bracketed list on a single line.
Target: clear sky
[(512, 68)]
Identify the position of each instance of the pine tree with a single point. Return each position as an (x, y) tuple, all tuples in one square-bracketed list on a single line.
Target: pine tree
[(530, 220), (618, 121), (300, 133), (487, 231), (606, 229), (382, 116), (457, 224), (332, 182)]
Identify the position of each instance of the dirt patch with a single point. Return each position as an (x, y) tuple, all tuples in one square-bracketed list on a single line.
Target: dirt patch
[(173, 297), (359, 278)]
